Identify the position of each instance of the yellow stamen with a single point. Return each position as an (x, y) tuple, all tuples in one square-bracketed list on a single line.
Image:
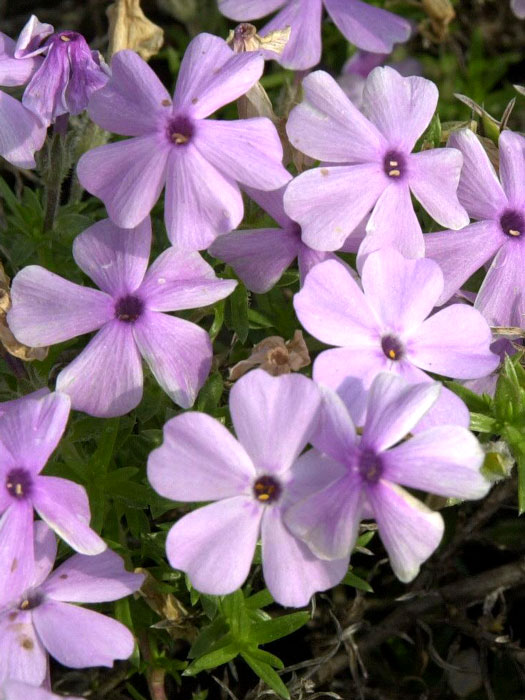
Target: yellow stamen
[(63, 37), (18, 490), (513, 232), (263, 496), (393, 163), (394, 173), (179, 138), (392, 354), (24, 605)]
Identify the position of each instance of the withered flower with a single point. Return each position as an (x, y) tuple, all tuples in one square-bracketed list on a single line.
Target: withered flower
[(275, 356)]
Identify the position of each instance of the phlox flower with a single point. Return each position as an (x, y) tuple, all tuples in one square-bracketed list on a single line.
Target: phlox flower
[(30, 430), (252, 480), (497, 237), (518, 7), (364, 25), (444, 460), (45, 618), (199, 160), (106, 378), (260, 256), (61, 70), (384, 327), (15, 690), (373, 166)]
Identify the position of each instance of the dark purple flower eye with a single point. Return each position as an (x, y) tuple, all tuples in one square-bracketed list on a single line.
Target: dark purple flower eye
[(267, 489), (370, 466), (392, 347), (129, 308), (180, 130), (512, 223), (19, 483), (394, 164), (32, 599)]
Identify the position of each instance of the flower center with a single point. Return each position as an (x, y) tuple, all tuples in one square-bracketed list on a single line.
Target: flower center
[(394, 164), (392, 347), (129, 308), (19, 483), (370, 466), (512, 223), (180, 130), (66, 37), (267, 489), (31, 600)]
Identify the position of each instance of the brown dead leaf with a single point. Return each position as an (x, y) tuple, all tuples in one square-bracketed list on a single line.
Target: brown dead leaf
[(129, 28)]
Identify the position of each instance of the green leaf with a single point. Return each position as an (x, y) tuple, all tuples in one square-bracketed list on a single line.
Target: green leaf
[(352, 580), (215, 658), (480, 423), (208, 637), (474, 402), (259, 600), (237, 312), (210, 394), (270, 630), (267, 674), (520, 462), (218, 319), (266, 658)]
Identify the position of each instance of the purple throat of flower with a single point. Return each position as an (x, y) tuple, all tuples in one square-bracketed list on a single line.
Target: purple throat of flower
[(392, 347), (369, 466), (512, 223), (31, 600), (394, 165), (129, 308), (180, 130), (19, 483), (267, 489)]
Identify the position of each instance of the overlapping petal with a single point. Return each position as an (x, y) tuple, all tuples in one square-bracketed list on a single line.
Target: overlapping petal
[(248, 9), (501, 298), (17, 561), (303, 49), (18, 634), (512, 167), (21, 132)]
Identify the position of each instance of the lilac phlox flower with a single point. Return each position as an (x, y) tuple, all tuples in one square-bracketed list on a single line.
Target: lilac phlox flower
[(260, 256), (200, 160), (498, 235), (30, 430), (373, 166), (15, 690), (61, 69), (252, 480), (518, 7), (364, 25), (444, 460), (106, 378), (45, 618), (384, 327)]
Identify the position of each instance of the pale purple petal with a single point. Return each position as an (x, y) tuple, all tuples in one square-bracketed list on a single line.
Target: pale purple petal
[(47, 309), (328, 520), (479, 189), (444, 460), (363, 62), (14, 71), (21, 132), (402, 292), (7, 405), (454, 342), (335, 435), (409, 530), (134, 102), (182, 280), (368, 27), (319, 201), (16, 690), (501, 298), (22, 656), (433, 178), (308, 258), (201, 203), (312, 472), (211, 76), (45, 95), (80, 638), (248, 151), (327, 126), (518, 7), (128, 176), (45, 552), (116, 259), (332, 307), (258, 257), (199, 460), (242, 10), (30, 41), (512, 167), (106, 378), (394, 205), (178, 353), (394, 408), (460, 253), (291, 572), (303, 49), (64, 506), (274, 417), (202, 544), (94, 579), (272, 203), (16, 545)]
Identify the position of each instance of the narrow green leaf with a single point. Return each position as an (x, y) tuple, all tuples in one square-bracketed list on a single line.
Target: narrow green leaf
[(270, 630), (218, 319), (215, 658), (259, 600), (237, 308), (480, 423), (352, 580), (267, 674)]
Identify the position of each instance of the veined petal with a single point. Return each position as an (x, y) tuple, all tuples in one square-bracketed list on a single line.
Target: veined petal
[(18, 555), (178, 353), (248, 151), (134, 102), (128, 176), (327, 126), (409, 530), (434, 178), (245, 10), (106, 378), (182, 280), (116, 259), (201, 203), (501, 298), (201, 544), (272, 203), (199, 460), (211, 76), (307, 258), (22, 656), (479, 189), (368, 27), (454, 342), (303, 49), (318, 200), (17, 690), (14, 71), (45, 552), (335, 434), (274, 417), (21, 132), (512, 167)]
